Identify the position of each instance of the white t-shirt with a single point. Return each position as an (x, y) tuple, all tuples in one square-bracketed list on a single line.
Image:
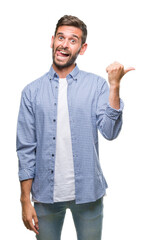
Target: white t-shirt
[(64, 181)]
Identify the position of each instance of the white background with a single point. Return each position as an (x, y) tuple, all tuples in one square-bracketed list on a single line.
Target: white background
[(117, 31)]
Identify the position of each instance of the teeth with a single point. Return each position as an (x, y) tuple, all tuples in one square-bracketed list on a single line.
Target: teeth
[(63, 52)]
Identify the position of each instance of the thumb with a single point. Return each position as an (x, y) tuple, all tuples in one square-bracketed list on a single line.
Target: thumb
[(128, 69)]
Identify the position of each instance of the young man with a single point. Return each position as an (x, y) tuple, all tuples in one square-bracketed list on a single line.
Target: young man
[(57, 138)]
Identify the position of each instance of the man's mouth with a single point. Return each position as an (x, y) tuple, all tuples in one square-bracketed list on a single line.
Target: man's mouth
[(62, 53)]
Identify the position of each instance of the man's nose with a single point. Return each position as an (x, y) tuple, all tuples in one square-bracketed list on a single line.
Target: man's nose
[(65, 43)]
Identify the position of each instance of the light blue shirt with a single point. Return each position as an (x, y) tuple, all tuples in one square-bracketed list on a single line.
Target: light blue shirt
[(89, 111)]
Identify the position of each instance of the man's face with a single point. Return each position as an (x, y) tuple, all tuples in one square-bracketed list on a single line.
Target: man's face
[(66, 46)]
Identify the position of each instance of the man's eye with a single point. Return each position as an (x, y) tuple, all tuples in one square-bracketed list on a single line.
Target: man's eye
[(60, 38), (72, 41)]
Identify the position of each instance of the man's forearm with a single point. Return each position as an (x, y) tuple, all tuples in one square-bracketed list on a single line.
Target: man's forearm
[(114, 98), (25, 190), (29, 215)]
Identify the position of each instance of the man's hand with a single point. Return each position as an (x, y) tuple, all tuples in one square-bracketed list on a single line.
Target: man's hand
[(29, 215), (115, 73)]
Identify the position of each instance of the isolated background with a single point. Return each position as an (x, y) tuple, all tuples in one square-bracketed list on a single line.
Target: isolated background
[(117, 31)]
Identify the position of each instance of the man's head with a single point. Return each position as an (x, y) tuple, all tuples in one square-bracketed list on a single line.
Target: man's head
[(68, 20), (68, 41)]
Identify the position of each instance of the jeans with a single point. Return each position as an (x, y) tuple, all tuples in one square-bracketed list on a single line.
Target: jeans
[(87, 219)]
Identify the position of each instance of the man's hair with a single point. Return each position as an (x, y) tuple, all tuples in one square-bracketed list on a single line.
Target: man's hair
[(68, 20)]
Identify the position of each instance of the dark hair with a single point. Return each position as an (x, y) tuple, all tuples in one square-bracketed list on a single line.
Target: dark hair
[(68, 20)]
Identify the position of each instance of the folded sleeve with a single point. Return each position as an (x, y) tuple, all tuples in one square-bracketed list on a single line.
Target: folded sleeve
[(26, 137), (109, 120)]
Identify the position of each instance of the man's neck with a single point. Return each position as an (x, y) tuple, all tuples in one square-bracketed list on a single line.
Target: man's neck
[(63, 72)]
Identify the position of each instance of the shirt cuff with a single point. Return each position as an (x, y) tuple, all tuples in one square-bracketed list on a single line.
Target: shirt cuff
[(114, 113), (25, 174)]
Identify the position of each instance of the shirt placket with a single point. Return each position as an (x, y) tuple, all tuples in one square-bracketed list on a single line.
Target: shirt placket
[(72, 122)]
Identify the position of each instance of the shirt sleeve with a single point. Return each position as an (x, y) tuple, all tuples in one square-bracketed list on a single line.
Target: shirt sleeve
[(26, 137), (109, 120)]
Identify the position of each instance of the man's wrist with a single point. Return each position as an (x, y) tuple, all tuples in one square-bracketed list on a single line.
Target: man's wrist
[(115, 86), (25, 199)]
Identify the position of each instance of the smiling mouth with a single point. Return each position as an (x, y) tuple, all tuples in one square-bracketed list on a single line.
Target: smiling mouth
[(62, 53)]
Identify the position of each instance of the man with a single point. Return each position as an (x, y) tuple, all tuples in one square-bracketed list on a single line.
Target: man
[(57, 138)]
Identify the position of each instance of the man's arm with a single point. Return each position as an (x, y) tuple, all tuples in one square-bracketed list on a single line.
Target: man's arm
[(26, 150), (109, 104), (114, 98), (28, 211)]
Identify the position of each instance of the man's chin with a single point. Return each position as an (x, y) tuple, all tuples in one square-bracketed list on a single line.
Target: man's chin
[(62, 65)]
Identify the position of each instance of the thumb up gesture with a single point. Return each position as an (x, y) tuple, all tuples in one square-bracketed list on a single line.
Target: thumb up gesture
[(115, 73)]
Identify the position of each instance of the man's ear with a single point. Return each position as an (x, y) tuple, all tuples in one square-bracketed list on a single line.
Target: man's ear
[(52, 40), (83, 48)]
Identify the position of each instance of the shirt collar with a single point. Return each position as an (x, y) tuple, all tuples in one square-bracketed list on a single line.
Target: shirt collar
[(52, 74)]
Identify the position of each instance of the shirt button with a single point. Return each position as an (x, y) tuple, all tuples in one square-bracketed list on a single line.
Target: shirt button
[(55, 104), (51, 171), (52, 155), (54, 138), (54, 120)]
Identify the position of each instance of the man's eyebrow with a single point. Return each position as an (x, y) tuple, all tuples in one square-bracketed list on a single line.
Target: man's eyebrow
[(75, 36), (61, 33)]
